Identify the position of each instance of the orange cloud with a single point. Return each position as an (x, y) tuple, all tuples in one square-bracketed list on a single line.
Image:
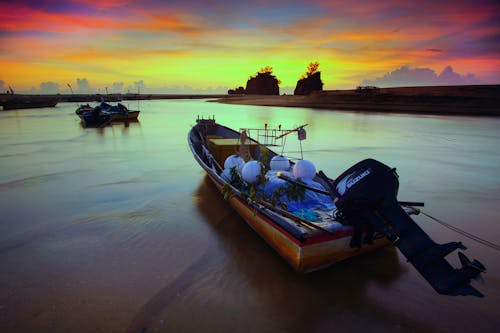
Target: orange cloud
[(159, 22), (16, 19), (103, 4)]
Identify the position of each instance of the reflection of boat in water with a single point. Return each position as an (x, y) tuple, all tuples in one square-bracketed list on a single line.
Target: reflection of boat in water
[(313, 221), (12, 102), (117, 112)]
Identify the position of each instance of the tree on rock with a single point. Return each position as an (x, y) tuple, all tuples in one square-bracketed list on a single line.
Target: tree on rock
[(263, 83), (310, 81)]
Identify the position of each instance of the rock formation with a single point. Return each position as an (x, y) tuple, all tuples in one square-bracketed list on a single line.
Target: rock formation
[(308, 84), (264, 83)]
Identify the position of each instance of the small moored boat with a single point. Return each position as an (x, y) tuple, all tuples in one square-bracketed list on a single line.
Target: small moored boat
[(120, 112), (116, 113), (313, 221), (95, 118), (13, 102)]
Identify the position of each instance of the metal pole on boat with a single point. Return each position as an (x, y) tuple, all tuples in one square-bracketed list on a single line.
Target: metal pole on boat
[(320, 191)]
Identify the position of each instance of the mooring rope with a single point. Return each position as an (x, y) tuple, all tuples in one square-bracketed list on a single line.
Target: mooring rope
[(464, 233)]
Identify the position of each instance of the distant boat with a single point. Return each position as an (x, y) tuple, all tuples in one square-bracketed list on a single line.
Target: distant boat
[(93, 116), (108, 98), (134, 97), (12, 102), (120, 112), (117, 112)]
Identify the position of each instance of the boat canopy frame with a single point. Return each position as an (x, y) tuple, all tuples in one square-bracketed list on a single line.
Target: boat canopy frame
[(274, 137)]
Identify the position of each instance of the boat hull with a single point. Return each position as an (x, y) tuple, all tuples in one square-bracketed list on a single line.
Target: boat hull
[(310, 255), (28, 104), (104, 112), (130, 116), (90, 120)]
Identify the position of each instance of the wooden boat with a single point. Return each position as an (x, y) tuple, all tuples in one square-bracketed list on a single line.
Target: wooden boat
[(119, 112), (130, 115), (362, 215), (116, 113), (12, 102), (298, 241)]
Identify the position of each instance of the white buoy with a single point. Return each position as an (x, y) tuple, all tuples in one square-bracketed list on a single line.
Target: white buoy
[(251, 171), (234, 161), (279, 162), (304, 169)]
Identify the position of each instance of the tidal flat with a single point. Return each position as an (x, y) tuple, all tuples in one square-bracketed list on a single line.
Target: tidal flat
[(118, 229)]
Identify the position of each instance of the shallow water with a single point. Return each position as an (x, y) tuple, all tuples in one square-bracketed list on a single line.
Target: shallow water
[(119, 230)]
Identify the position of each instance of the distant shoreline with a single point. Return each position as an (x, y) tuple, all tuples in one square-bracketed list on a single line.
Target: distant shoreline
[(473, 100), (24, 101), (470, 100), (106, 97)]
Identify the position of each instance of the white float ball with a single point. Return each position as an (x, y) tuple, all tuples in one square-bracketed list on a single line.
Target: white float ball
[(251, 171), (234, 161), (279, 162), (304, 169)]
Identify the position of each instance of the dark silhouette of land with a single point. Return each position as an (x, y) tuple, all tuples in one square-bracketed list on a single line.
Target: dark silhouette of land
[(309, 84), (310, 81), (265, 83), (262, 83), (22, 101), (471, 100)]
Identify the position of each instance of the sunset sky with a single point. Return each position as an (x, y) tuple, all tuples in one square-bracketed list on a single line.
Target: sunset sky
[(211, 43)]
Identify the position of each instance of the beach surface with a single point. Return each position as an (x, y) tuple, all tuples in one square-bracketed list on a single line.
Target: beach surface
[(118, 229), (477, 100)]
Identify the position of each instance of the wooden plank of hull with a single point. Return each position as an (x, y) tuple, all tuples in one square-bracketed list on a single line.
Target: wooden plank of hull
[(287, 247), (129, 116), (284, 245), (322, 254), (303, 257)]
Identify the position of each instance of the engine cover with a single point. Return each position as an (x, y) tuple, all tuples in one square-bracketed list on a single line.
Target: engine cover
[(366, 193)]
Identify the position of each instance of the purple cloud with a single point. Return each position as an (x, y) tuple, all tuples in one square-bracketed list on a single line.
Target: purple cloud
[(83, 86), (49, 87), (407, 77)]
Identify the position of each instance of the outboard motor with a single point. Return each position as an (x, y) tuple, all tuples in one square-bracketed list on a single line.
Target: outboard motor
[(366, 193)]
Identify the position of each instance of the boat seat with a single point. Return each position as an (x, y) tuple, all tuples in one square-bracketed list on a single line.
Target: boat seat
[(223, 148)]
